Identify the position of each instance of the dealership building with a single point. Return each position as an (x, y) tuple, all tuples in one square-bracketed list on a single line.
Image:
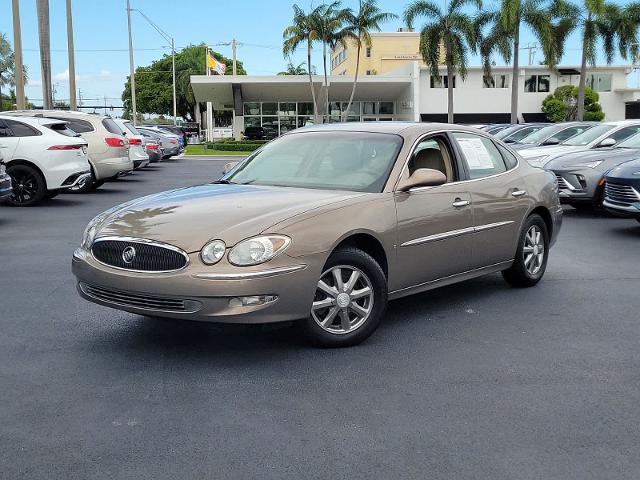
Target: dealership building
[(395, 85)]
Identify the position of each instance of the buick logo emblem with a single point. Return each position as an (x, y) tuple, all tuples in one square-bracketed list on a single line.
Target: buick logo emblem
[(128, 254)]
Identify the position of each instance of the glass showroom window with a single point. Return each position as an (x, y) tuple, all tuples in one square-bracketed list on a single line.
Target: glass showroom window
[(252, 121), (599, 82), (287, 124), (269, 108), (287, 109), (496, 81), (252, 108), (305, 108), (537, 83)]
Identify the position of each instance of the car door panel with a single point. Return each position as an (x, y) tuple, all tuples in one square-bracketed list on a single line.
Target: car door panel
[(8, 142)]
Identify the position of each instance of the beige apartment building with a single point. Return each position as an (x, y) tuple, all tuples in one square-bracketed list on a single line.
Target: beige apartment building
[(388, 51)]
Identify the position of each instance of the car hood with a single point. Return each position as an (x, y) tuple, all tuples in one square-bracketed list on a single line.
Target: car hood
[(629, 170), (616, 155), (189, 217), (551, 150)]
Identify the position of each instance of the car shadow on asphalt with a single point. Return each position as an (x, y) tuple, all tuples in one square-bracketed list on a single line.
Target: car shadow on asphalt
[(60, 202), (633, 230), (422, 313), (571, 212)]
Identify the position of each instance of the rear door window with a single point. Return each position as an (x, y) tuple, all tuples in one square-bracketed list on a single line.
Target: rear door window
[(111, 126), (77, 125), (20, 129), (480, 155), (62, 129)]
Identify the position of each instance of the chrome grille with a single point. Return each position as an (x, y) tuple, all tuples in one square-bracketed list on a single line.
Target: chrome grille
[(139, 300), (621, 194), (563, 184), (149, 256)]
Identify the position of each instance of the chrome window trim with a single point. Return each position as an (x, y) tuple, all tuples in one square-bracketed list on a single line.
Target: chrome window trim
[(436, 132), (249, 275), (455, 233), (147, 242)]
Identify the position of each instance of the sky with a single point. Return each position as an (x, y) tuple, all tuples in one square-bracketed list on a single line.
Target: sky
[(100, 35)]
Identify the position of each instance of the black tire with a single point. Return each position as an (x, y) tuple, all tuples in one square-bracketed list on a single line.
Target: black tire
[(29, 187), (638, 220), (52, 194), (97, 184), (518, 275), (369, 273)]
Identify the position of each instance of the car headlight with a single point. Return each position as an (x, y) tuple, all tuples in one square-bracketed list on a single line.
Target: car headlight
[(212, 252), (593, 164), (254, 251), (89, 234)]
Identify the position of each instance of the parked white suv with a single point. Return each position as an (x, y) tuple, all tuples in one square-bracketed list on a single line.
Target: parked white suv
[(137, 143), (42, 157), (108, 151)]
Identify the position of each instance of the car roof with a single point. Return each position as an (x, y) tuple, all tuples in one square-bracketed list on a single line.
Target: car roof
[(70, 113), (398, 128), (32, 120)]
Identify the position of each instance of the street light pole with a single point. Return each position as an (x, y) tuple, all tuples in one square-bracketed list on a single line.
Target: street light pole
[(164, 35), (72, 63), (17, 52), (132, 77)]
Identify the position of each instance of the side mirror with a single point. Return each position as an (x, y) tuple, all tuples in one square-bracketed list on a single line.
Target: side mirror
[(423, 177), (228, 167), (551, 141), (607, 142)]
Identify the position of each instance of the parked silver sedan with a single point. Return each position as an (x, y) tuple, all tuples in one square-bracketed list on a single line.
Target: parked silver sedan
[(324, 225)]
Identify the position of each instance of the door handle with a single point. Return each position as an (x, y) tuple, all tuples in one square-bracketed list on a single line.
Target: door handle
[(518, 193), (460, 203)]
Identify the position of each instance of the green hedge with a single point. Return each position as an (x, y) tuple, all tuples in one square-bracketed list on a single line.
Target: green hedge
[(232, 140), (233, 147)]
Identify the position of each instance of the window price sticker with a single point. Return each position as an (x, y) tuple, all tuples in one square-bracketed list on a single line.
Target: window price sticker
[(476, 153)]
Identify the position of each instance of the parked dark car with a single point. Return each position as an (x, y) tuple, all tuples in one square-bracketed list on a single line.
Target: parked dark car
[(622, 190), (495, 128), (5, 182), (255, 133)]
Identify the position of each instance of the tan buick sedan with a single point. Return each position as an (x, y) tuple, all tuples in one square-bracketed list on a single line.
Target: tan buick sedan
[(324, 225)]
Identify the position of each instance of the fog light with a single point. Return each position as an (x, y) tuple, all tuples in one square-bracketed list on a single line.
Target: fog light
[(252, 301), (582, 180)]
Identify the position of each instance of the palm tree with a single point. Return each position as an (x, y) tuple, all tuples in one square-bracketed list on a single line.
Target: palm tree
[(7, 66), (45, 52), (369, 18), (302, 31), (504, 37), (600, 22), (293, 69), (450, 30), (328, 21)]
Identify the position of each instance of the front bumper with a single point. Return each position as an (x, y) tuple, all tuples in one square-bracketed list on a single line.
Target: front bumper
[(5, 187), (205, 292), (579, 186), (626, 211)]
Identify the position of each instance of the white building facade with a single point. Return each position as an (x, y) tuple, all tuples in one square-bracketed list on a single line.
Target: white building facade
[(410, 92)]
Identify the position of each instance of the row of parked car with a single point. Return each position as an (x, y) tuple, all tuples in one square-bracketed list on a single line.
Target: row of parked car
[(596, 164), (45, 152)]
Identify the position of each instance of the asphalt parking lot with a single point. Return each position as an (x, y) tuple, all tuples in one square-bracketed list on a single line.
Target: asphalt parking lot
[(472, 381)]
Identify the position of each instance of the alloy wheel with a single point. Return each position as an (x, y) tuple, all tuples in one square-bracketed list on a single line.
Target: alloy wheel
[(533, 250), (25, 187), (343, 300)]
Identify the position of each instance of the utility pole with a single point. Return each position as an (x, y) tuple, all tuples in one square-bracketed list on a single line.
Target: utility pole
[(173, 68), (532, 47), (209, 134), (132, 77), (17, 52), (234, 46), (72, 62), (44, 36)]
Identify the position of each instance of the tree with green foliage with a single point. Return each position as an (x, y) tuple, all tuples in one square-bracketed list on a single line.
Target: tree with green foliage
[(542, 17), (562, 105), (367, 19), (154, 91), (598, 22), (452, 31), (293, 69)]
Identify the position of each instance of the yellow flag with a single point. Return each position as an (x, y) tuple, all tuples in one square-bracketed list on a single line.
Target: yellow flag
[(213, 64)]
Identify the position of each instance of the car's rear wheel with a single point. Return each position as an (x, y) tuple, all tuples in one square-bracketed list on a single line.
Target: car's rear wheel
[(349, 302), (532, 254), (28, 186)]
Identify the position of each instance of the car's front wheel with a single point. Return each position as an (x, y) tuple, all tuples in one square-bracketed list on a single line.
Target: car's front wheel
[(532, 254), (349, 302)]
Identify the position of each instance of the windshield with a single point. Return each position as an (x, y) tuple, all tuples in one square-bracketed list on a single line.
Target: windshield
[(589, 136), (536, 137), (631, 142), (506, 131), (331, 160)]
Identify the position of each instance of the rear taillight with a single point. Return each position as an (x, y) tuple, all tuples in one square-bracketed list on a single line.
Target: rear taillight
[(135, 141), (65, 147), (114, 141), (152, 146), (174, 141)]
